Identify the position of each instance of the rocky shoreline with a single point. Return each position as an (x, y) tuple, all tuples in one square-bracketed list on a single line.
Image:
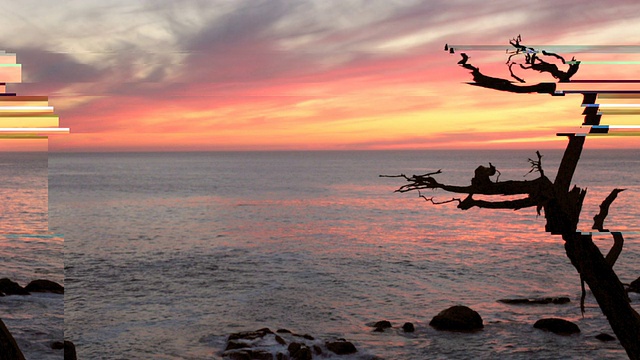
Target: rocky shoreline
[(283, 344), (10, 349)]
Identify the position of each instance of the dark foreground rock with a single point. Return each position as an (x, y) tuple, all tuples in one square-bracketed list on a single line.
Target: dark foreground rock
[(9, 287), (634, 286), (557, 326), (44, 286), (9, 349), (537, 301), (457, 318), (264, 344)]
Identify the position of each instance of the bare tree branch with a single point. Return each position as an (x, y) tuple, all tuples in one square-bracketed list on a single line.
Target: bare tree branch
[(536, 165), (598, 219), (517, 204), (514, 75), (536, 63), (438, 202), (503, 84), (598, 224)]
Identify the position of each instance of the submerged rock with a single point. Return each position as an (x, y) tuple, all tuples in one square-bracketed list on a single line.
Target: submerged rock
[(536, 301), (250, 335), (45, 286), (408, 327), (605, 337), (457, 318), (557, 326), (9, 287), (383, 324)]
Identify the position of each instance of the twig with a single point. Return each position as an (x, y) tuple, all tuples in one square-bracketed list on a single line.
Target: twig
[(536, 165), (438, 202)]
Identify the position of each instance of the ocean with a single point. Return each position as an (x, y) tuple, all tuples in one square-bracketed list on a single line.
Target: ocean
[(29, 252), (166, 254)]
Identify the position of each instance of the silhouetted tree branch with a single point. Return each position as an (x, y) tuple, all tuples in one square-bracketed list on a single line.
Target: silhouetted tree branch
[(598, 219), (503, 84)]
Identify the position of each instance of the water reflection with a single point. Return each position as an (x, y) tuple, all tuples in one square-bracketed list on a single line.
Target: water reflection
[(23, 193)]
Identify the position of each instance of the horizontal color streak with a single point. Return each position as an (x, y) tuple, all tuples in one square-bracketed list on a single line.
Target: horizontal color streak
[(603, 62), (24, 108), (32, 130), (602, 49)]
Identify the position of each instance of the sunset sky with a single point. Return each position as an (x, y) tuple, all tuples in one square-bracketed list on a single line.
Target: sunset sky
[(295, 75)]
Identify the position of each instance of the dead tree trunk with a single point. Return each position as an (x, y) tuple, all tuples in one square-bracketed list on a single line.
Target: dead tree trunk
[(607, 289), (585, 256)]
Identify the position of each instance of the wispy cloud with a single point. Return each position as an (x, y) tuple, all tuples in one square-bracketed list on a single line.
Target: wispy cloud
[(127, 66)]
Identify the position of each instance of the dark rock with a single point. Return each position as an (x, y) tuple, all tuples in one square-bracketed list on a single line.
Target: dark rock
[(9, 287), (634, 286), (283, 331), (384, 324), (378, 329), (605, 337), (341, 347), (305, 336), (557, 326), (457, 318), (280, 340), (261, 355), (234, 344), (1, 294), (247, 355), (294, 347), (542, 301), (299, 351), (317, 349), (57, 345), (408, 327), (250, 335), (235, 355), (69, 351), (44, 286), (9, 349)]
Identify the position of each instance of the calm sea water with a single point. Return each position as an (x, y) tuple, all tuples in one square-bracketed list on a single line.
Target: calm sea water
[(28, 252), (166, 254)]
